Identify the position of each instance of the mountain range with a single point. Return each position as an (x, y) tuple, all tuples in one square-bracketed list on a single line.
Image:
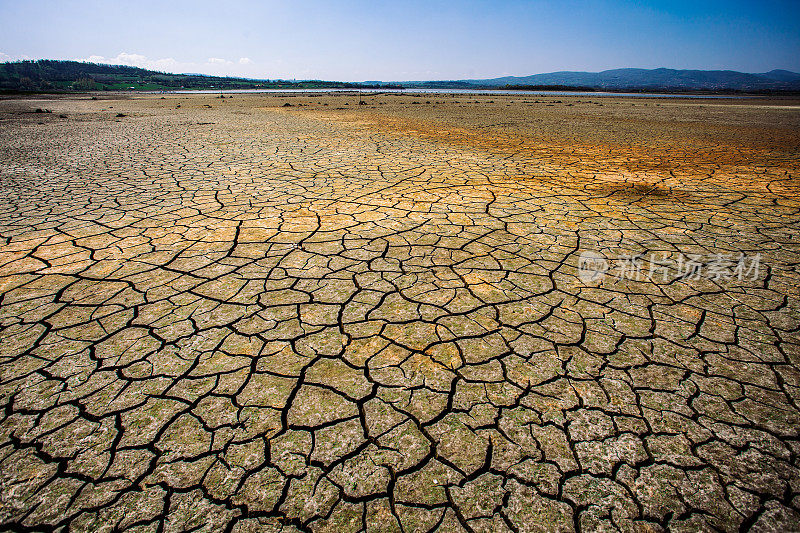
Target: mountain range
[(53, 75), (659, 78)]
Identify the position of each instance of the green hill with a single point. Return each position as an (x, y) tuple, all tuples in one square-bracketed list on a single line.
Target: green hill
[(51, 75)]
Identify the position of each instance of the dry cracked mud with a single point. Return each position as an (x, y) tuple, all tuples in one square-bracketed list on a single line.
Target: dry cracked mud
[(230, 315)]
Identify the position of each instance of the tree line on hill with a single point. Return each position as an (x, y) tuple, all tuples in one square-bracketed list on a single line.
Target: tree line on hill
[(52, 75)]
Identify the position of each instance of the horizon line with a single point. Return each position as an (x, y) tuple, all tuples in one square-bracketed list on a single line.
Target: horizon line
[(266, 78)]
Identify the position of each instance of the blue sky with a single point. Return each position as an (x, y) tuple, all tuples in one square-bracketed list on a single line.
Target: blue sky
[(377, 40)]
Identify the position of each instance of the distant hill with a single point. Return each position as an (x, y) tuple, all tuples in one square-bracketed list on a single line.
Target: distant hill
[(657, 79), (51, 75)]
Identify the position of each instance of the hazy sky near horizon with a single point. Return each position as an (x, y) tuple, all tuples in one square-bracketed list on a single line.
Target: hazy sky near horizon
[(412, 40)]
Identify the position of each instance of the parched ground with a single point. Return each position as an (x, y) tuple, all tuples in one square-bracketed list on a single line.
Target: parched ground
[(231, 315)]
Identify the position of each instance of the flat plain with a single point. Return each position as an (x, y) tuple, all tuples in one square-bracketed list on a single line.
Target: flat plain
[(307, 313)]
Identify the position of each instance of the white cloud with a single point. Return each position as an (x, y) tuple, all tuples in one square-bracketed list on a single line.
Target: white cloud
[(244, 66), (137, 60), (5, 57)]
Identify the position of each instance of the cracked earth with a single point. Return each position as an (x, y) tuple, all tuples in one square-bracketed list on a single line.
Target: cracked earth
[(230, 315)]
